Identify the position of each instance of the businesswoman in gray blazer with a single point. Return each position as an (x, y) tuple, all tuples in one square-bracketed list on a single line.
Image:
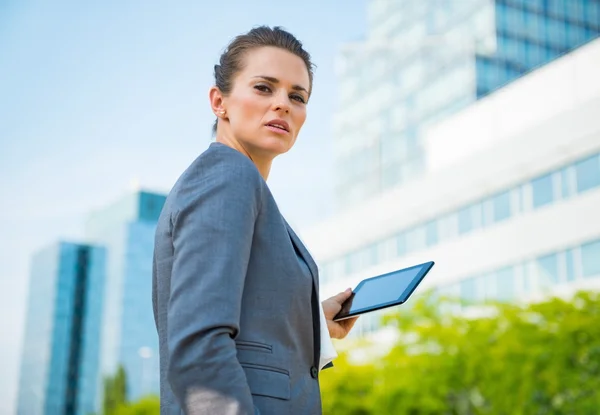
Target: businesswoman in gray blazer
[(235, 292)]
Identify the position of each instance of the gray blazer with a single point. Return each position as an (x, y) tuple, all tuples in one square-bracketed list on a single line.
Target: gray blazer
[(234, 296)]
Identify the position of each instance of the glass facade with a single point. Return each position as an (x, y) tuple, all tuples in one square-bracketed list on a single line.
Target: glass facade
[(533, 276), (551, 187), (532, 33), (539, 275), (129, 336), (425, 60), (59, 365)]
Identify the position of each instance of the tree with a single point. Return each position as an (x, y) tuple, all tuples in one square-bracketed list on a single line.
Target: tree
[(116, 402), (149, 405), (541, 358), (115, 392)]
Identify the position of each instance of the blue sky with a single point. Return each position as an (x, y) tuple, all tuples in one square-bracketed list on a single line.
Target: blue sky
[(95, 95)]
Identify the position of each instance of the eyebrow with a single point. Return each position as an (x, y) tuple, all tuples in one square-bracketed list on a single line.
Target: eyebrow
[(276, 81)]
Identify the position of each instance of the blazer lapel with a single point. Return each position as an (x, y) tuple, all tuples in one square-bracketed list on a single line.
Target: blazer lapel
[(315, 304), (305, 255)]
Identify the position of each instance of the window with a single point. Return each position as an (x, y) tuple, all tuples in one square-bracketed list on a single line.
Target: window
[(401, 244), (556, 33), (516, 200), (465, 221), (501, 206), (569, 265), (587, 173), (448, 226), (338, 268), (532, 27), (590, 259), (511, 49), (449, 291), (391, 176), (387, 249), (431, 233), (527, 277), (592, 15), (511, 18), (500, 15), (415, 239), (469, 218), (489, 286), (575, 35), (413, 166), (535, 54), (551, 53), (542, 191), (399, 116), (505, 284), (413, 74), (393, 147), (373, 255), (412, 140), (537, 5), (468, 290), (556, 8), (567, 182), (547, 270), (349, 264), (574, 11)]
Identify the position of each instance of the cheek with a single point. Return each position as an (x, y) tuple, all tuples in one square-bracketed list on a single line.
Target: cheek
[(250, 105), (299, 118)]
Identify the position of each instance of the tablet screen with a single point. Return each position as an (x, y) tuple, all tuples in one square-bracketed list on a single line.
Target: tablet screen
[(384, 290)]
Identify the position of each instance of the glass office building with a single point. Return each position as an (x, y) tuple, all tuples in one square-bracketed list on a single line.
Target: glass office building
[(521, 199), (59, 372), (507, 206), (425, 60), (129, 336)]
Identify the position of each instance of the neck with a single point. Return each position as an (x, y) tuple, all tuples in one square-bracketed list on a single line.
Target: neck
[(262, 164)]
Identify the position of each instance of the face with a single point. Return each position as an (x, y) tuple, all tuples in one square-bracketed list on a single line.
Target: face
[(267, 104)]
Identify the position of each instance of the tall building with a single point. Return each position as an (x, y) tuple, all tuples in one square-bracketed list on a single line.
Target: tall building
[(422, 61), (59, 363), (129, 337), (508, 203)]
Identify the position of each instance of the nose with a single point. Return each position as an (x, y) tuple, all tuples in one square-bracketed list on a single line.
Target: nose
[(281, 103)]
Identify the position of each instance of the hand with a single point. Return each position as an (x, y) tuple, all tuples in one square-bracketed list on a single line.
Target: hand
[(332, 306)]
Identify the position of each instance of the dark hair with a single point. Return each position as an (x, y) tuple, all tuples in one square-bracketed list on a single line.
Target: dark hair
[(231, 61)]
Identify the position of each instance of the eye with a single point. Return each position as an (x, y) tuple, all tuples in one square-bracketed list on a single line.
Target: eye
[(298, 98), (262, 88)]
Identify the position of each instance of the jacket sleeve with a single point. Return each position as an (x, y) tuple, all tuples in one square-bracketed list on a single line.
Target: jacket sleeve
[(212, 232)]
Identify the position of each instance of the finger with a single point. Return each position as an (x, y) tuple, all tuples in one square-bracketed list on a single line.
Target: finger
[(343, 296), (349, 323)]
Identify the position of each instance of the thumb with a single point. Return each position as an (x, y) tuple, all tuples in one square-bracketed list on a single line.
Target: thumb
[(343, 296)]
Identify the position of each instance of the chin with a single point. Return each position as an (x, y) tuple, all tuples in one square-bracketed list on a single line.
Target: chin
[(274, 145)]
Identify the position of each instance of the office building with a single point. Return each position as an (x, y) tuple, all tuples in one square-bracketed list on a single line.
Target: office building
[(508, 205), (423, 61), (59, 364), (129, 336)]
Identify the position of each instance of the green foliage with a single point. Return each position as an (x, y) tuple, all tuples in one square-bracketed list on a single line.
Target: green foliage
[(541, 358), (116, 402), (149, 405), (115, 392)]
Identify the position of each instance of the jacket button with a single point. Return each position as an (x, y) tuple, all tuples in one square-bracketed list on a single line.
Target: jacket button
[(314, 372)]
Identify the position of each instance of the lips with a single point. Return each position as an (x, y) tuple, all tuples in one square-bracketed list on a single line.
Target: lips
[(279, 124)]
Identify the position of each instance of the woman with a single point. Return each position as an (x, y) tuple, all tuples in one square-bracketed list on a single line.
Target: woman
[(235, 292)]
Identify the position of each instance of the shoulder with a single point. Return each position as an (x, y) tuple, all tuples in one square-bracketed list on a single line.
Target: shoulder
[(229, 163), (219, 170)]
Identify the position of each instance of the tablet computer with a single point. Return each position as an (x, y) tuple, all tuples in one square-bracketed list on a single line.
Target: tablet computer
[(383, 291)]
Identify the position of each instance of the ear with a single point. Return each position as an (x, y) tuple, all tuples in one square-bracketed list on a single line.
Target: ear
[(216, 102)]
